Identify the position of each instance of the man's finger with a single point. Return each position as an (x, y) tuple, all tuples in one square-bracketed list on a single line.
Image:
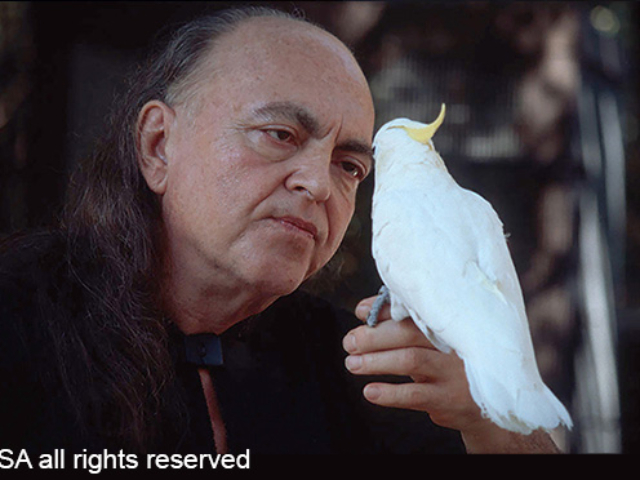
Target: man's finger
[(444, 408), (416, 362), (385, 336), (412, 396), (364, 307)]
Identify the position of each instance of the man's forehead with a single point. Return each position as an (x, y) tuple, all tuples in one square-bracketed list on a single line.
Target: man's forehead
[(263, 62), (272, 28), (271, 39)]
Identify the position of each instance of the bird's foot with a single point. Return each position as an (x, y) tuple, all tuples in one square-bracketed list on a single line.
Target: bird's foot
[(383, 297)]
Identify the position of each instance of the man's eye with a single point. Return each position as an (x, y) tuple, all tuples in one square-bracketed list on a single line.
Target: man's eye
[(280, 135), (352, 169)]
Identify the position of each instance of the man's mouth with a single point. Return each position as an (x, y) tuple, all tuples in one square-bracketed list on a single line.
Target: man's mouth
[(298, 225)]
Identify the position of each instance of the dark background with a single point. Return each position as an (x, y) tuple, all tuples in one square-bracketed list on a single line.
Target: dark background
[(542, 120)]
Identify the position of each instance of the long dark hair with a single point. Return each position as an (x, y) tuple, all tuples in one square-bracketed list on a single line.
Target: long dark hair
[(113, 228)]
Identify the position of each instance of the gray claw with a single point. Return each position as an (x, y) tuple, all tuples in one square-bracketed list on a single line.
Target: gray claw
[(383, 297)]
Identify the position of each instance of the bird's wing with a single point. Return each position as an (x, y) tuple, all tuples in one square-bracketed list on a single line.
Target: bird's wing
[(413, 253), (429, 253), (494, 256)]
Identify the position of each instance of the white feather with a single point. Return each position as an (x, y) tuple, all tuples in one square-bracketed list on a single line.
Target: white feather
[(441, 251)]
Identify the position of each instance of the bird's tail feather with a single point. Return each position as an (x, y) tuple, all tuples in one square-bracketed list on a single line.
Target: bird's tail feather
[(519, 409)]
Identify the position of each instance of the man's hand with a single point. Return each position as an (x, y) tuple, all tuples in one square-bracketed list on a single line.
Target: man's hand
[(439, 386)]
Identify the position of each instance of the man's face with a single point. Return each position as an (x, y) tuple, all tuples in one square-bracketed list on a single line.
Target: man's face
[(263, 170)]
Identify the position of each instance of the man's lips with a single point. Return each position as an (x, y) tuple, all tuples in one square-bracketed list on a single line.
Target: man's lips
[(299, 225)]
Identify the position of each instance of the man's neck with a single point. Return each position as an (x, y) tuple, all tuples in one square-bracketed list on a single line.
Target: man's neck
[(207, 305)]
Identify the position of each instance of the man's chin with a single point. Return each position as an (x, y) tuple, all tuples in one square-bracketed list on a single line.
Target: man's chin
[(277, 284)]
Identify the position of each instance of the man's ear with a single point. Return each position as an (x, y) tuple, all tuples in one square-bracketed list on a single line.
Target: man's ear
[(153, 128)]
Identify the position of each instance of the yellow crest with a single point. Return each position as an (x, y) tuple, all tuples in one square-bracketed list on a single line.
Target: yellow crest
[(424, 134)]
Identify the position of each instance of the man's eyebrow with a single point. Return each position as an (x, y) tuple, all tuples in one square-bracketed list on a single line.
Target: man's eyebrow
[(299, 114), (357, 146), (292, 112)]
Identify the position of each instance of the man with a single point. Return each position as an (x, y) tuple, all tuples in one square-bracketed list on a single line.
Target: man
[(249, 136)]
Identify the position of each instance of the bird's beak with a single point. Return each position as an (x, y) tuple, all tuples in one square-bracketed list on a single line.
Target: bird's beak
[(424, 134)]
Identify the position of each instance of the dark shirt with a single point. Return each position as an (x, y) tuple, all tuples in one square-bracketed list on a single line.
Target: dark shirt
[(282, 386)]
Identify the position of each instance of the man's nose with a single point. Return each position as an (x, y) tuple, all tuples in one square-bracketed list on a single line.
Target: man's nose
[(312, 177)]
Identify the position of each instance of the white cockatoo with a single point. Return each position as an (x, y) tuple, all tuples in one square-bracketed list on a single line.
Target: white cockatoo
[(442, 256)]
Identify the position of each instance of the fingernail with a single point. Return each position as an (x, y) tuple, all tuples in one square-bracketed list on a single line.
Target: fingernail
[(353, 362), (350, 343), (362, 311), (372, 392)]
